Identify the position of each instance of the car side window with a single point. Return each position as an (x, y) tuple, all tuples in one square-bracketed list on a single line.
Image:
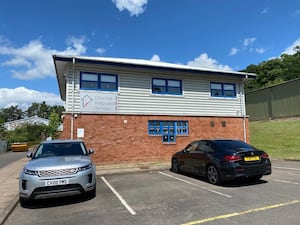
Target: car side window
[(204, 146), (192, 147)]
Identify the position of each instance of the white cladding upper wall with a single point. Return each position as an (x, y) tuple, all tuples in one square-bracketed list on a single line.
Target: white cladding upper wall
[(134, 94)]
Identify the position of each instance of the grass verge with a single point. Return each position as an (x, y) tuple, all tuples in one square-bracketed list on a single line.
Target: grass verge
[(280, 138)]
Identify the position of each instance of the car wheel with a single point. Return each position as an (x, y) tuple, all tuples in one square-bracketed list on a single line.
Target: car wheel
[(175, 166), (213, 175)]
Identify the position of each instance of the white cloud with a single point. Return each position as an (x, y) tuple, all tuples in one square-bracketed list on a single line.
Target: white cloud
[(296, 13), (134, 7), (101, 50), (23, 97), (34, 60), (233, 51), (260, 50), (290, 50), (3, 40), (205, 62), (247, 46), (264, 11), (248, 41), (155, 58)]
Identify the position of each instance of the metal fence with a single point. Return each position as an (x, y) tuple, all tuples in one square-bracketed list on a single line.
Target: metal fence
[(279, 101), (3, 146)]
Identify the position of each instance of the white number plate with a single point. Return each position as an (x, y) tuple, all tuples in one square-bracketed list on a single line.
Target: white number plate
[(56, 182)]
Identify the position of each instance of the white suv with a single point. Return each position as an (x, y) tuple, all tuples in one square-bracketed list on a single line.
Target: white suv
[(58, 168)]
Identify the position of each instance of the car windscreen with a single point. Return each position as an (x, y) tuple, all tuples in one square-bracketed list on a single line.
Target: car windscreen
[(60, 149)]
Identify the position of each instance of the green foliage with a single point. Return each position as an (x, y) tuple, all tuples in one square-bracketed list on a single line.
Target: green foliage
[(30, 132), (274, 71), (43, 110), (27, 133), (10, 114), (53, 124), (36, 109), (280, 138)]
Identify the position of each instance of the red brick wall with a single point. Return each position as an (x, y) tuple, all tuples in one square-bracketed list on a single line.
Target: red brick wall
[(117, 142)]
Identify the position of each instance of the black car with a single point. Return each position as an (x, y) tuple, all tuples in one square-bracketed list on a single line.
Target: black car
[(222, 159)]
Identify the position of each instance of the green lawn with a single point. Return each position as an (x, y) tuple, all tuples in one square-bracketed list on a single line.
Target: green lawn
[(280, 138)]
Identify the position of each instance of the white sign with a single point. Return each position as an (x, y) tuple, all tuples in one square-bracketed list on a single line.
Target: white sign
[(92, 101), (80, 133)]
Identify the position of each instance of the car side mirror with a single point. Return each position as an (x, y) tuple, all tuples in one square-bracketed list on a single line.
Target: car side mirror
[(29, 155), (185, 150), (91, 151)]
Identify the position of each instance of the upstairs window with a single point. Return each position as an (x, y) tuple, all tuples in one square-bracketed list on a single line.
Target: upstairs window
[(166, 86), (222, 90), (98, 81), (89, 81)]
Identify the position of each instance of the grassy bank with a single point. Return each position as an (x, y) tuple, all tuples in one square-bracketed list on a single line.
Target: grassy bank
[(280, 138)]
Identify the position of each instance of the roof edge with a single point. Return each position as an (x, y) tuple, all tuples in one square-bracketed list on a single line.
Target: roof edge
[(141, 63)]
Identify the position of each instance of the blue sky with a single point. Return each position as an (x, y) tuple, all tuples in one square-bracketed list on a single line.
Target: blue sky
[(218, 34)]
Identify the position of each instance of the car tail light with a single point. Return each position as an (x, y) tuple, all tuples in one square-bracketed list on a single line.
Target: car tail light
[(265, 155), (232, 158)]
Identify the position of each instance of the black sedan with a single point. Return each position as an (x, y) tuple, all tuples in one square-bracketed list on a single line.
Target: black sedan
[(222, 159)]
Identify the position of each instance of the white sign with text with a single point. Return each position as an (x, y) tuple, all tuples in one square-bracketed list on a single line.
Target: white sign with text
[(92, 101)]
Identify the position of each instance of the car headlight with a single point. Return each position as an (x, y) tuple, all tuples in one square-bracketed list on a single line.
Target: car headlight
[(31, 172), (83, 168)]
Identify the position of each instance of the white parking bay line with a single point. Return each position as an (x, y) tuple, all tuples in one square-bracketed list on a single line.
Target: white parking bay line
[(188, 182), (285, 168), (285, 181), (119, 197)]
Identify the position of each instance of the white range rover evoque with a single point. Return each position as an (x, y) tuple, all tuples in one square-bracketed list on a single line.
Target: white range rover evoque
[(58, 168)]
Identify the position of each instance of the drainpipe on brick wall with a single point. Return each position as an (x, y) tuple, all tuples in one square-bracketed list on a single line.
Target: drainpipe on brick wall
[(243, 110), (73, 90), (244, 128)]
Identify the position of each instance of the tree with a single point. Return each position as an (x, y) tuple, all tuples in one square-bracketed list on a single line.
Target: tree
[(12, 113), (39, 109), (27, 133), (297, 49), (53, 124), (59, 109), (32, 133), (43, 110), (274, 71)]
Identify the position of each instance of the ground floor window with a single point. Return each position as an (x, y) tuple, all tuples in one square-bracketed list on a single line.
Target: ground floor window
[(167, 129)]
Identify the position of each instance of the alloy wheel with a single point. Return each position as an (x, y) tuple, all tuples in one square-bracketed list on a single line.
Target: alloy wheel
[(213, 175)]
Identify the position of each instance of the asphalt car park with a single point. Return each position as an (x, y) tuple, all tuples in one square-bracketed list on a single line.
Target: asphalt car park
[(164, 197)]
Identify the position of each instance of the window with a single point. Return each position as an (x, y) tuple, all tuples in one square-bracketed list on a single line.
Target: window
[(166, 86), (170, 128), (89, 81), (96, 81), (192, 147), (167, 129), (222, 90), (205, 147)]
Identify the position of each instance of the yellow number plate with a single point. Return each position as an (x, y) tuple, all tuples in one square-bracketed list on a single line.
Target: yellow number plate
[(251, 158)]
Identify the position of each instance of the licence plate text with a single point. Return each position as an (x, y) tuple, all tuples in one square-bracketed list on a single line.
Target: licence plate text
[(56, 182), (251, 158)]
